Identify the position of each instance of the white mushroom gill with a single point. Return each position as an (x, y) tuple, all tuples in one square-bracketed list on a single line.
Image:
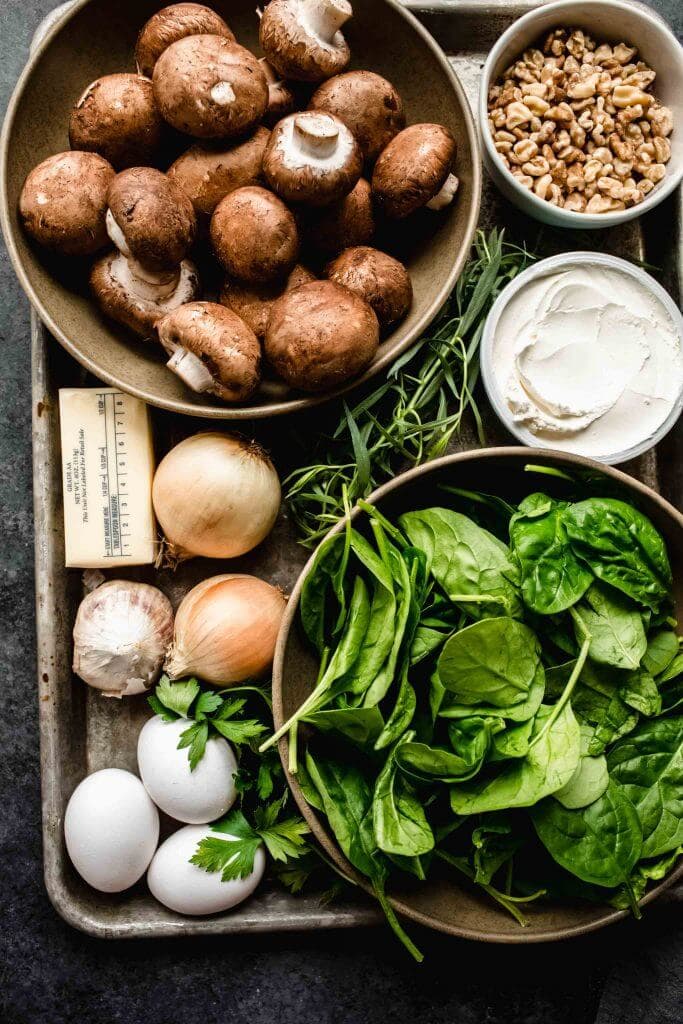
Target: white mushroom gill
[(324, 18), (166, 291), (445, 197)]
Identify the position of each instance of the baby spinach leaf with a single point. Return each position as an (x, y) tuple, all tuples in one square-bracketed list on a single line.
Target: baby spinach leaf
[(589, 781), (473, 567), (595, 700), (316, 590), (380, 684), (672, 695), (646, 871), (450, 708), (674, 669), (617, 636), (360, 725), (649, 766), (548, 766), (399, 820), (639, 691), (600, 844), (622, 547), (553, 578), (494, 843), (493, 661), (512, 741), (470, 739), (662, 648)]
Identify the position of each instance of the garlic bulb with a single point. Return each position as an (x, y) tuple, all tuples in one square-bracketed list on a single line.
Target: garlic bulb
[(215, 495), (121, 635), (225, 630)]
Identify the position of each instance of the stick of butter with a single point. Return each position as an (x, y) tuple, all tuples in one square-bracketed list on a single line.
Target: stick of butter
[(107, 469)]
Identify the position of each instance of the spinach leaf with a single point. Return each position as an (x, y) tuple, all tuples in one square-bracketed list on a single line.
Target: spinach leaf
[(615, 628), (589, 781), (621, 546), (672, 695), (646, 871), (553, 578), (547, 767), (316, 590), (672, 671), (494, 844), (649, 766), (493, 661), (513, 741), (662, 648), (399, 820), (600, 844), (639, 691), (470, 739), (450, 708), (379, 686), (473, 567), (360, 725), (595, 700)]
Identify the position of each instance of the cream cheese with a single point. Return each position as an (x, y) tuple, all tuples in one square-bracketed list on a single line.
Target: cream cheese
[(588, 359)]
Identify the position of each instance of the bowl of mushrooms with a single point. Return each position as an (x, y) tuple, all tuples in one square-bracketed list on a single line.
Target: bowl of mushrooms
[(582, 112), (232, 213)]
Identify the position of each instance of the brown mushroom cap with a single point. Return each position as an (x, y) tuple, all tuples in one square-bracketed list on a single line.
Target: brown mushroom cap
[(207, 172), (171, 24), (124, 299), (210, 87), (313, 158), (282, 98), (254, 235), (341, 225), (223, 353), (63, 203), (117, 117), (368, 105), (301, 38), (381, 280), (320, 335), (154, 216), (413, 168), (253, 303)]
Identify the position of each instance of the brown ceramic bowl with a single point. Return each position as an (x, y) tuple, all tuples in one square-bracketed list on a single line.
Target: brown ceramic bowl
[(443, 902), (97, 37)]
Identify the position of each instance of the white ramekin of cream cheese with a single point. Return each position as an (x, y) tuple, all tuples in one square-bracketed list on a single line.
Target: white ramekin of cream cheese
[(583, 353)]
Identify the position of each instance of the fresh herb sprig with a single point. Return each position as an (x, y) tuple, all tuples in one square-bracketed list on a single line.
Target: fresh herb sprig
[(234, 855), (413, 415)]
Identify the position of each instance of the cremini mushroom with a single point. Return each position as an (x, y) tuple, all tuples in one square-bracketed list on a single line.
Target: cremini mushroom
[(253, 303), (329, 229), (150, 219), (212, 350), (117, 117), (210, 87), (208, 171), (320, 335), (368, 105), (302, 38), (415, 170), (171, 24), (63, 203), (138, 300), (254, 235), (282, 97), (380, 279), (313, 158)]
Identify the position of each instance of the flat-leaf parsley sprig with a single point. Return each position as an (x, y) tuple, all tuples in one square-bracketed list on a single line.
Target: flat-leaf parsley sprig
[(232, 850)]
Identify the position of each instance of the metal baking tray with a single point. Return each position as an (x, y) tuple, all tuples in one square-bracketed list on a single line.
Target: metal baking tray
[(80, 731)]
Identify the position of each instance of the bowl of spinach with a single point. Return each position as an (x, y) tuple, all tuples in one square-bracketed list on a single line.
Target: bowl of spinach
[(478, 692)]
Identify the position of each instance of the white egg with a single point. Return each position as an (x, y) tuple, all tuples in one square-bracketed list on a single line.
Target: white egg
[(191, 796), (111, 828), (188, 889)]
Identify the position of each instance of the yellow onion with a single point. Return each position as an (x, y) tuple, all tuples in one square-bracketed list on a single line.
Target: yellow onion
[(215, 495), (225, 630)]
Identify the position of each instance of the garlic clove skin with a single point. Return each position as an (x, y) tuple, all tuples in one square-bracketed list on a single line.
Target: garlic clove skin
[(121, 635)]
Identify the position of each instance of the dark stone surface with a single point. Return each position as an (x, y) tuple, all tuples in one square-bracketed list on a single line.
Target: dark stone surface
[(53, 974)]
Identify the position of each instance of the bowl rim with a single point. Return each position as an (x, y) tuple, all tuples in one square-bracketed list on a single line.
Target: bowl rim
[(243, 412), (527, 200), (319, 829), (538, 270)]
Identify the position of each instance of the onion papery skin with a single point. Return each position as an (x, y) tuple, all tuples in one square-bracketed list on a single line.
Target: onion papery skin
[(226, 629)]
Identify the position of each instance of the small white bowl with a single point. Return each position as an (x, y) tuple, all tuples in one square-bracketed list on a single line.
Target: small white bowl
[(605, 20), (541, 269)]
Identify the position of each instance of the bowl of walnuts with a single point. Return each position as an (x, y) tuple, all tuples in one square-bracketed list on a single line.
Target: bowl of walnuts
[(235, 213), (581, 108)]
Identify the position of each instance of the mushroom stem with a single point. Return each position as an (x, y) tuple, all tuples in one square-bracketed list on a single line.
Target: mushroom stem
[(116, 234), (316, 135), (445, 197), (222, 93), (191, 370), (324, 18)]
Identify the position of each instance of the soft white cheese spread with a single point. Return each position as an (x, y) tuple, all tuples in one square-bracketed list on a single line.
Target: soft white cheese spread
[(588, 359)]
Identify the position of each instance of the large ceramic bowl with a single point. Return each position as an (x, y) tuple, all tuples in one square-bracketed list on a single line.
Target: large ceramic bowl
[(97, 37), (443, 903)]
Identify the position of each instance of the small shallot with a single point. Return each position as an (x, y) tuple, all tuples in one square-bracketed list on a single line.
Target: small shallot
[(215, 495), (121, 635), (225, 630)]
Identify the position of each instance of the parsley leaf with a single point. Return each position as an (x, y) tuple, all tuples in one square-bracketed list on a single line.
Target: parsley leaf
[(195, 737), (159, 709), (234, 857), (285, 839), (177, 697), (238, 731), (207, 703)]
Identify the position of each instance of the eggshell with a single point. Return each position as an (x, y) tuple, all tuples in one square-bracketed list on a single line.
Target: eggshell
[(187, 889), (111, 828), (191, 796)]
